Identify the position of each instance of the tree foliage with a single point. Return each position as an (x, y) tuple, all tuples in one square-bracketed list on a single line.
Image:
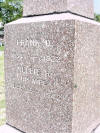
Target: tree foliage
[(97, 17), (10, 10)]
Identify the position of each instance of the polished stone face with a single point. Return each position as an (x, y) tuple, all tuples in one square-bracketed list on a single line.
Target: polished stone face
[(86, 95), (37, 7), (39, 76), (52, 75)]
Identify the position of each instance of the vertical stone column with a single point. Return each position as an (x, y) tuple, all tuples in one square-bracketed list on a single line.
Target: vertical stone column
[(52, 68), (41, 7)]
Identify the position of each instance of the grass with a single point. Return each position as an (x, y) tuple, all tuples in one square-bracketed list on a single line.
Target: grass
[(2, 103), (2, 92), (1, 48)]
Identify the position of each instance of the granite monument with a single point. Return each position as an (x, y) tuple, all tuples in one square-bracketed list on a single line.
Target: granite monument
[(52, 68)]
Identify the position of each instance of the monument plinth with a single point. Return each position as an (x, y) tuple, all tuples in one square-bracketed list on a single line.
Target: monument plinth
[(52, 70), (40, 7)]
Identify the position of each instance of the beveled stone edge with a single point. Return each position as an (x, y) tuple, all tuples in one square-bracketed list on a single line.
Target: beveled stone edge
[(59, 12), (54, 17)]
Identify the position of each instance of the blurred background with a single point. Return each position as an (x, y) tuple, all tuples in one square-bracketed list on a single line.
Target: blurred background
[(11, 10)]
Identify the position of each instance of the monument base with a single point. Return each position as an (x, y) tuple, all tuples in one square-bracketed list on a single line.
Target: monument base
[(52, 75)]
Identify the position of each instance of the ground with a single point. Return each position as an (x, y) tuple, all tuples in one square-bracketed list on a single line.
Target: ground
[(2, 91)]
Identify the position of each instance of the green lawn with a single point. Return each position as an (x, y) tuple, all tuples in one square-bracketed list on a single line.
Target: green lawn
[(2, 91), (2, 48)]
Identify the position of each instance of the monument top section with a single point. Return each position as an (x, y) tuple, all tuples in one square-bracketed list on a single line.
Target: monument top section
[(41, 7)]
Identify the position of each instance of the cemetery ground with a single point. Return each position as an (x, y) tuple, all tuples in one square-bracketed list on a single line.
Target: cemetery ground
[(2, 91), (1, 49)]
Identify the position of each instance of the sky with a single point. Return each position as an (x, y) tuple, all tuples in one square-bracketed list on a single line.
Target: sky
[(97, 6)]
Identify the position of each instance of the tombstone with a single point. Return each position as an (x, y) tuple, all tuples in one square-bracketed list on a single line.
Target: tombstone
[(79, 7), (52, 68)]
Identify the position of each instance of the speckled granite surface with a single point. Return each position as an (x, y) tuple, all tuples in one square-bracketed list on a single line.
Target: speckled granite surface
[(52, 74), (86, 95), (36, 7), (39, 76)]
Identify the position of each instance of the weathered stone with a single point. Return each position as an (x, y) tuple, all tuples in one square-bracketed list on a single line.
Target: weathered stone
[(52, 76), (37, 7)]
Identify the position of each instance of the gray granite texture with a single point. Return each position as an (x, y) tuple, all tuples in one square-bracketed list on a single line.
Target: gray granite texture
[(52, 76), (37, 7)]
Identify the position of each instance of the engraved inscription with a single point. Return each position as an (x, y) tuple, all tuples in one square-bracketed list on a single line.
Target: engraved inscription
[(36, 75)]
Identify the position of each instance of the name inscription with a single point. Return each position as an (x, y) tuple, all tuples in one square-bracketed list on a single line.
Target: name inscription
[(36, 76)]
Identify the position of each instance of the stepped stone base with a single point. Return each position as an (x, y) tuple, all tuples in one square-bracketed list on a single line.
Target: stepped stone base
[(52, 71)]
